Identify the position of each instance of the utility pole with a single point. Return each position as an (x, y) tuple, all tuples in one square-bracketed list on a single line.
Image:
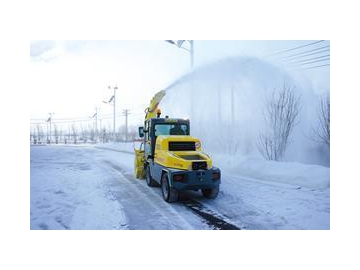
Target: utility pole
[(113, 98), (126, 113), (49, 121), (95, 116)]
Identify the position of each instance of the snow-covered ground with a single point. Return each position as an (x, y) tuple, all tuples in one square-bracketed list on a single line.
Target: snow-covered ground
[(82, 187), (92, 187), (68, 191)]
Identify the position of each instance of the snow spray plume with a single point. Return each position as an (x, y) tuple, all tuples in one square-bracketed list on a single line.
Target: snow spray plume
[(226, 103)]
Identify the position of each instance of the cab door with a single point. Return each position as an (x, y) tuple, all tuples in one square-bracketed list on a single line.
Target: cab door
[(147, 140)]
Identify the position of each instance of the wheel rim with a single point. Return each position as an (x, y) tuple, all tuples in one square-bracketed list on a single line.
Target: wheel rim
[(165, 188)]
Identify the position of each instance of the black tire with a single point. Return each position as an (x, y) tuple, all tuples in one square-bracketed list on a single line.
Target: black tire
[(169, 194), (210, 193), (149, 180)]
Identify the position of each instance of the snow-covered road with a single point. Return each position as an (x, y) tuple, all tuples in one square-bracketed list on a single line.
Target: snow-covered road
[(82, 187)]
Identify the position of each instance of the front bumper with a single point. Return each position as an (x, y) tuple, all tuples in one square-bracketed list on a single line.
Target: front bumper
[(195, 179)]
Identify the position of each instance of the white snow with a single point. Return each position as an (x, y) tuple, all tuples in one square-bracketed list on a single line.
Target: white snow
[(121, 147), (259, 194), (292, 173), (68, 191), (86, 187), (83, 187)]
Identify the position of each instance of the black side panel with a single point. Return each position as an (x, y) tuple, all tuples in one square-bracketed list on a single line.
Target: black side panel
[(156, 171)]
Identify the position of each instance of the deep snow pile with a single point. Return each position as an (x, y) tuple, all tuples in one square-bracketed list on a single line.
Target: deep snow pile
[(293, 173), (226, 102)]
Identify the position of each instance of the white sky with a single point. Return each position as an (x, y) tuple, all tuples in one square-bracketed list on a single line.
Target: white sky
[(71, 78)]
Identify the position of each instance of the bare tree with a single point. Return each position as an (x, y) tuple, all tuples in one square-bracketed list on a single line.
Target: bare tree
[(322, 132), (40, 133), (33, 135), (121, 135), (92, 133), (74, 132), (84, 133), (281, 111), (56, 133), (132, 133), (103, 135), (60, 134)]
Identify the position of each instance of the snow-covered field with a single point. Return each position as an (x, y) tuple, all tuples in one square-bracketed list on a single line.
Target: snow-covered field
[(87, 187)]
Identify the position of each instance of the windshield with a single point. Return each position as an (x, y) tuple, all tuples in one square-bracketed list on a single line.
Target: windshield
[(171, 129)]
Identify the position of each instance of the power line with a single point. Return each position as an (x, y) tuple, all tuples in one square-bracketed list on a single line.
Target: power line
[(76, 120), (314, 67), (70, 119), (292, 49), (65, 119), (63, 122), (306, 63), (307, 53), (308, 59)]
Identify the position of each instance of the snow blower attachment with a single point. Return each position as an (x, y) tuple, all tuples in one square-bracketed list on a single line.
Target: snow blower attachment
[(168, 156), (139, 163)]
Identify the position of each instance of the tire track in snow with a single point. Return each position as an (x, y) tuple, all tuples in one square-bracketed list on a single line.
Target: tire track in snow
[(212, 219), (157, 214)]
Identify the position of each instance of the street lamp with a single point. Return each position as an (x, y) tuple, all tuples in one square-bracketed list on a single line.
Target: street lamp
[(113, 100), (49, 121), (179, 44)]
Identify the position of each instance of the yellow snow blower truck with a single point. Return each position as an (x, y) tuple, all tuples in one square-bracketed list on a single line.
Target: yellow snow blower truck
[(168, 156)]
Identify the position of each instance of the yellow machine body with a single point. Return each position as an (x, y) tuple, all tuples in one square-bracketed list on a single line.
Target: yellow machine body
[(152, 109), (179, 159), (139, 163)]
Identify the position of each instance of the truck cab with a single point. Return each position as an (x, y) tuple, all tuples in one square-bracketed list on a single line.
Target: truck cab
[(155, 127)]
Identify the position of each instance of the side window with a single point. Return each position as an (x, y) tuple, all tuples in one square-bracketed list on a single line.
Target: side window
[(185, 129)]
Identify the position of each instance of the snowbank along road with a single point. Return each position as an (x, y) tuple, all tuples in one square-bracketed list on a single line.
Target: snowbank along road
[(83, 187)]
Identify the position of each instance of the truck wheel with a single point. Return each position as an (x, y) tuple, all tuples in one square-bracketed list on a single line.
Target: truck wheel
[(169, 194), (210, 193), (149, 180)]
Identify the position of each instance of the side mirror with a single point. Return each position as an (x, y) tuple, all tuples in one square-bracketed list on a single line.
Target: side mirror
[(141, 132)]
